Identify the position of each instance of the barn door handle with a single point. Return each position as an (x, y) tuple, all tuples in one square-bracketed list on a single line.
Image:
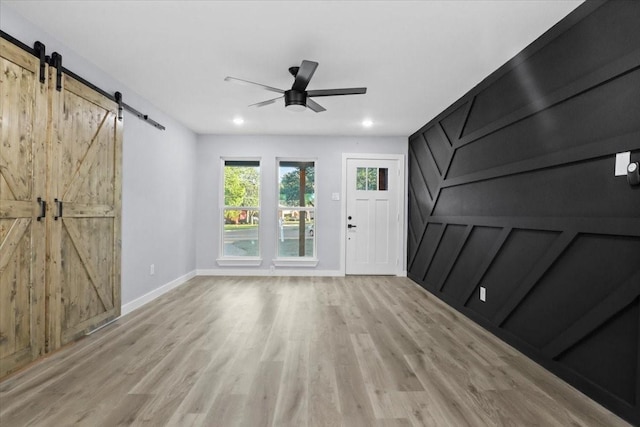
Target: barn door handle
[(43, 209), (59, 205)]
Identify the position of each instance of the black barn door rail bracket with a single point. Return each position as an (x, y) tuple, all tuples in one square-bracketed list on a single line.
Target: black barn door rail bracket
[(56, 62), (40, 51)]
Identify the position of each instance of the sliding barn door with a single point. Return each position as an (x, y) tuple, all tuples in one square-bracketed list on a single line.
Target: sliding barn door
[(22, 232), (85, 193)]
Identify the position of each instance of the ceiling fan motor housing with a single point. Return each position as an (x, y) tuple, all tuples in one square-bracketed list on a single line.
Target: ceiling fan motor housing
[(295, 97)]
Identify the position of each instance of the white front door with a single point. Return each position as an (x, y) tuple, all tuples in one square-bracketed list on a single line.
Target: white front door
[(373, 223)]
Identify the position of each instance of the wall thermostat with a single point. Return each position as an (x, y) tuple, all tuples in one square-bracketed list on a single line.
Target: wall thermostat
[(633, 173)]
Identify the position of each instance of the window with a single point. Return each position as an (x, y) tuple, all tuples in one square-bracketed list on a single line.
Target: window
[(372, 179), (296, 209), (241, 211)]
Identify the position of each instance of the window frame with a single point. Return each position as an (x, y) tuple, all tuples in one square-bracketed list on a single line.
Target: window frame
[(296, 261), (235, 260)]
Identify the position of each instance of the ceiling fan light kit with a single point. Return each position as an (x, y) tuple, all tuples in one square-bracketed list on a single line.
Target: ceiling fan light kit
[(298, 98), (295, 100)]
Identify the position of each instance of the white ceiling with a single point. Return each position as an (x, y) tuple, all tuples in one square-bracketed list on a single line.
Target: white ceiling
[(415, 57)]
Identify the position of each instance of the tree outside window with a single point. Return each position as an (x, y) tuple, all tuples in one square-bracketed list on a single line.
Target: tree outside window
[(296, 209), (241, 212)]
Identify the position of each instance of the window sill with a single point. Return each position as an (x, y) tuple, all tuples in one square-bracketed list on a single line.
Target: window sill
[(295, 262), (239, 262)]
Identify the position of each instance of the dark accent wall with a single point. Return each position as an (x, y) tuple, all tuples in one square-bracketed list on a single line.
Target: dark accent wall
[(513, 188)]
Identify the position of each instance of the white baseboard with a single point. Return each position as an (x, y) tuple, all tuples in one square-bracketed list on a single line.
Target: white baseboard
[(146, 298), (275, 272)]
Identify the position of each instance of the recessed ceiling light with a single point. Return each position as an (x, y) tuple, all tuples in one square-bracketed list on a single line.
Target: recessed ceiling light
[(238, 120), (367, 123)]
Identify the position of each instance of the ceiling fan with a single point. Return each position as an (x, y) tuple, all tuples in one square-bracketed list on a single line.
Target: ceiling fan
[(298, 98)]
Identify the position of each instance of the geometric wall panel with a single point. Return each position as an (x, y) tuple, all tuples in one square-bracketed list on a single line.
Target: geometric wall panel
[(470, 261), (609, 109), (427, 249), (555, 67), (511, 265), (439, 147), (512, 188), (609, 355), (453, 123), (445, 255), (589, 270), (589, 186)]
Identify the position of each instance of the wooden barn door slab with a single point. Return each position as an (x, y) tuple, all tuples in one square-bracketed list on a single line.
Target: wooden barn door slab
[(22, 233), (86, 198)]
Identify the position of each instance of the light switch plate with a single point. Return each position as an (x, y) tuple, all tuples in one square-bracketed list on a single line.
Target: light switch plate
[(483, 294), (622, 161), (336, 196)]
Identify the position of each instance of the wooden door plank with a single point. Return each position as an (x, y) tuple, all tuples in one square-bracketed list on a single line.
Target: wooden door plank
[(17, 209), (81, 249), (11, 242), (86, 164), (78, 210)]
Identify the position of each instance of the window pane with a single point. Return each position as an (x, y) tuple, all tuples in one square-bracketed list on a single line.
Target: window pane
[(383, 179), (241, 183), (296, 233), (361, 179), (241, 232), (372, 179), (241, 211), (297, 184)]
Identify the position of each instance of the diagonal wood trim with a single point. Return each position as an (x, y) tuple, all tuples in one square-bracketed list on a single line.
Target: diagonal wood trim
[(431, 155), (419, 168), (609, 146), (435, 250), (454, 257), (613, 70), (12, 241), (607, 308), (413, 194), (440, 129), (544, 263), (467, 113), (76, 239), (421, 239), (432, 160), (495, 249), (18, 191), (86, 163), (611, 226)]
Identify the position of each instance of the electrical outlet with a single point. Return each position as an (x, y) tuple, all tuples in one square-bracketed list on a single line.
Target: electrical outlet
[(483, 294), (152, 269)]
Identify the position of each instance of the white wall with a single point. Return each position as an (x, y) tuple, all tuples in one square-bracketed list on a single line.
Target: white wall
[(158, 177), (327, 151)]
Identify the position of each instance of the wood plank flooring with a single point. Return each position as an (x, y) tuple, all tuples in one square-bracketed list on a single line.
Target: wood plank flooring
[(288, 351)]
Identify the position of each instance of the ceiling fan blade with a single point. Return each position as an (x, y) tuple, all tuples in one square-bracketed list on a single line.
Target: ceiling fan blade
[(333, 92), (305, 72), (247, 82), (263, 103), (313, 105)]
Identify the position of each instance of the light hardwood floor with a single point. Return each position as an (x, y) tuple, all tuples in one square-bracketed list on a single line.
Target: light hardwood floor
[(284, 351)]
